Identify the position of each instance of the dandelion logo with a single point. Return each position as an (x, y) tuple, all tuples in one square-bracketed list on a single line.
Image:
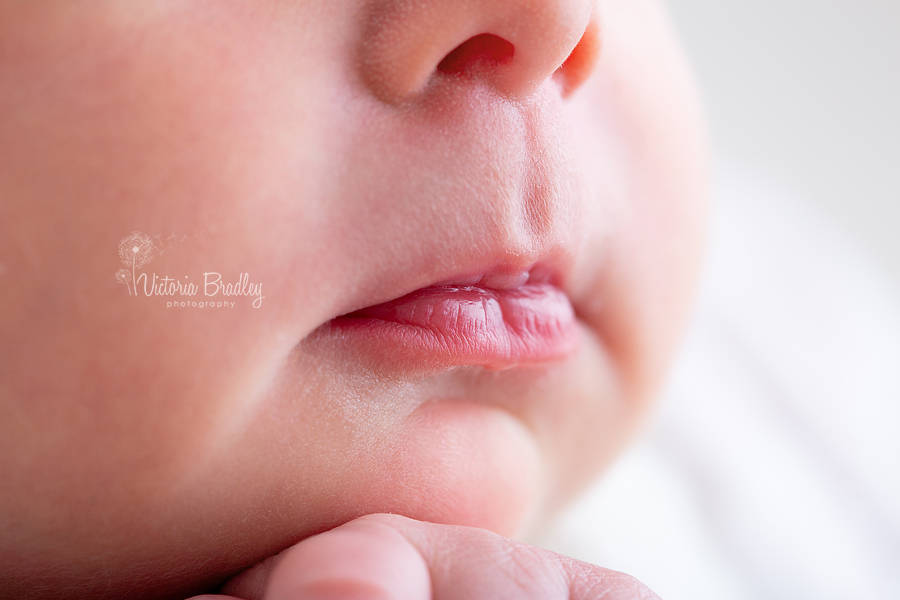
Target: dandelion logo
[(135, 250)]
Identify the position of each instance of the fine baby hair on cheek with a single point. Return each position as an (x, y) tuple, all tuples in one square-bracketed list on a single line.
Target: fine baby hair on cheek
[(475, 225)]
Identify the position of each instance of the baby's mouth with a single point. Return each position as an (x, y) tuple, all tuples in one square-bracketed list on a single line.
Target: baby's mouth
[(498, 322)]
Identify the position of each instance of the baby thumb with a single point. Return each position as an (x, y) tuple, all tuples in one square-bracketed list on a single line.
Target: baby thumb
[(362, 560), (388, 557)]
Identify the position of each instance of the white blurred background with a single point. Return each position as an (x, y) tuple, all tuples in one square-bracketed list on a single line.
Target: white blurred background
[(770, 468), (808, 92)]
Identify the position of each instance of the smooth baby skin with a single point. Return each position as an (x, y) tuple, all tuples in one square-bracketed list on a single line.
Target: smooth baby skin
[(328, 151)]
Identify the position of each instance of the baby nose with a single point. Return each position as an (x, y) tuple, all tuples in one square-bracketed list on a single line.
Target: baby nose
[(513, 45)]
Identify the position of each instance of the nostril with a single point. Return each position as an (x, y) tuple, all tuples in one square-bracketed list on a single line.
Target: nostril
[(480, 53), (580, 63)]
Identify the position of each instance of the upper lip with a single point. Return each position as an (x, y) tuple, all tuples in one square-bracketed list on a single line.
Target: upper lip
[(501, 274), (524, 218), (500, 264)]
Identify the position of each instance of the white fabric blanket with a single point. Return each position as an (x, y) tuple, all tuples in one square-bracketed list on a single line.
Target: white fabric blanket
[(772, 468)]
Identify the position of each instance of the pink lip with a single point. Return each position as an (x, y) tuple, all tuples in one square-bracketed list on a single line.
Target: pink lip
[(450, 325)]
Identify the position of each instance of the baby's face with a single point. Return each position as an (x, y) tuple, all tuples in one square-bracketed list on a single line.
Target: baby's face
[(514, 246)]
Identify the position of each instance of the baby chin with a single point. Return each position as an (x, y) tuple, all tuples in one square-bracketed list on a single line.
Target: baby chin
[(428, 405), (484, 434)]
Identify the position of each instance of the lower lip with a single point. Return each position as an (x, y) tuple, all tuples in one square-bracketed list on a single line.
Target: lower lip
[(445, 326)]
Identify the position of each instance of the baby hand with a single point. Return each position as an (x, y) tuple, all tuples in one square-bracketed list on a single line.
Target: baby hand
[(388, 557)]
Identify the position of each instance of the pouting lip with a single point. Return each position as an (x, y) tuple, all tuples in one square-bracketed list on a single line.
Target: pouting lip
[(501, 322)]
